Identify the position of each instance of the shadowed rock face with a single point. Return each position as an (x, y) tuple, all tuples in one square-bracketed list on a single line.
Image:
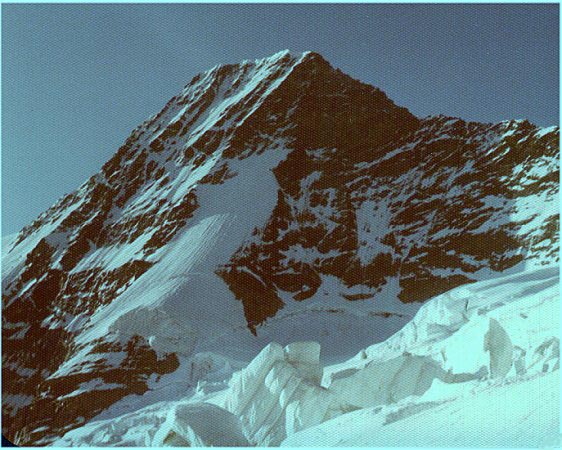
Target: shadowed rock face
[(431, 210), (384, 202)]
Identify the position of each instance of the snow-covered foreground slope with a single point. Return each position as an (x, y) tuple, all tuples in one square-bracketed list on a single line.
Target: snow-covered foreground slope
[(476, 366), (523, 413), (491, 373)]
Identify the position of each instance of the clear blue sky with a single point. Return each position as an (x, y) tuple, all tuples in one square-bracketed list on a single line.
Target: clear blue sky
[(76, 79)]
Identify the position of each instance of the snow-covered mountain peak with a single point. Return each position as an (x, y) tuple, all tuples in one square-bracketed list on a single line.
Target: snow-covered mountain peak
[(273, 200)]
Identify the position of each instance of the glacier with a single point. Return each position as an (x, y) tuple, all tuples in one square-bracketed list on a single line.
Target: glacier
[(480, 361)]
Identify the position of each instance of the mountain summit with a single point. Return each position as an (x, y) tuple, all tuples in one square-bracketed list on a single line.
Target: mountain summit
[(272, 200)]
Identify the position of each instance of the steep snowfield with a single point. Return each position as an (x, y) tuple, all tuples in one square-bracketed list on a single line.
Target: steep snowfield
[(187, 268), (476, 366)]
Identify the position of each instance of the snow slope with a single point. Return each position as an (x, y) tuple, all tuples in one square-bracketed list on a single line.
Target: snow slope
[(497, 344), (509, 415), (481, 362)]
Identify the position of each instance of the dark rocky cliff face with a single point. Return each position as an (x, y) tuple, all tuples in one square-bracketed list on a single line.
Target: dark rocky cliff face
[(368, 194), (430, 210)]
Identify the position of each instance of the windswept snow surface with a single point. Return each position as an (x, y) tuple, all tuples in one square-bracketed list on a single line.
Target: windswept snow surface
[(476, 366), (518, 414)]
